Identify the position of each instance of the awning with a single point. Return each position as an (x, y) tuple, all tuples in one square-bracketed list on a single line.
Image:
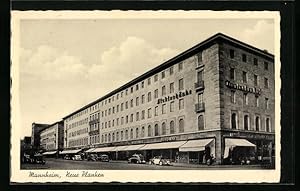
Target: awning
[(166, 145), (120, 148), (70, 151), (195, 145), (134, 147), (49, 153), (90, 150), (231, 143), (103, 149)]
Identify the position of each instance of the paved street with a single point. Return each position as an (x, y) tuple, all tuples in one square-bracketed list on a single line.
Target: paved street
[(60, 164)]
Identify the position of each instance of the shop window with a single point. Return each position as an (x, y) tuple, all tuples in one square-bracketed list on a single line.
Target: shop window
[(257, 123), (163, 128), (172, 127), (233, 121), (246, 122), (149, 131), (156, 133), (200, 122), (181, 126)]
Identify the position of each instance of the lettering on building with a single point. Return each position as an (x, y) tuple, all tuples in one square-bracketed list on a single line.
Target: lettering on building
[(176, 96), (244, 88)]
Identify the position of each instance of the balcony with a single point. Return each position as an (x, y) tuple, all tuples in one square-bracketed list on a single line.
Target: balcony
[(94, 121), (199, 107), (199, 85), (94, 132)]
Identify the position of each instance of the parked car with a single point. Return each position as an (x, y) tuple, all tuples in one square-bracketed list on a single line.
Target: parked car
[(159, 160), (67, 157), (137, 158), (27, 159), (76, 157), (103, 158), (39, 159), (92, 157)]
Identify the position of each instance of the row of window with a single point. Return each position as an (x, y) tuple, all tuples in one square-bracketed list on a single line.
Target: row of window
[(246, 99), (141, 115), (77, 123), (78, 132), (47, 140), (232, 55), (135, 133), (136, 102), (50, 134), (78, 142), (245, 78), (136, 87), (247, 125)]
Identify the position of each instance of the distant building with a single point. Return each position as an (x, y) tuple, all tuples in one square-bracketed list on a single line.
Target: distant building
[(51, 138), (35, 133)]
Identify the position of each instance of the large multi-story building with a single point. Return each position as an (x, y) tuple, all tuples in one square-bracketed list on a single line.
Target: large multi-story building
[(216, 98), (51, 138)]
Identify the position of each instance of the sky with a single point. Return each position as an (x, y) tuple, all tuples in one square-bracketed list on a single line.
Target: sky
[(66, 64)]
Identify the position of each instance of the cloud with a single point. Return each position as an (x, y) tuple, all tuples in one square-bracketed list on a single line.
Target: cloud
[(260, 35), (48, 63), (129, 59)]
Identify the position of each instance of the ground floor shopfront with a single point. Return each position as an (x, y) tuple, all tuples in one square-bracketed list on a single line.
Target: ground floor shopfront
[(225, 146)]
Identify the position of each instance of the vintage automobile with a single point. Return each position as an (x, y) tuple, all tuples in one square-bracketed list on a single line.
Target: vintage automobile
[(103, 158), (159, 160), (92, 157), (137, 158), (77, 157), (39, 159), (67, 157)]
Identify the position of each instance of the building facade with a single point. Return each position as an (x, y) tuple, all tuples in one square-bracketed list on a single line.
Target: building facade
[(51, 138), (215, 99), (35, 133)]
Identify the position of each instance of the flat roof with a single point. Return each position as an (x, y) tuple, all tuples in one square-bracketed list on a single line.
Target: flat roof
[(180, 57)]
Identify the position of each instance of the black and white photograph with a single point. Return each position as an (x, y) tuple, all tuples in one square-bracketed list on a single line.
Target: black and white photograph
[(131, 96)]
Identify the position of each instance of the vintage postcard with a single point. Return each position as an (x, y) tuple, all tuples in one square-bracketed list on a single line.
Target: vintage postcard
[(145, 96)]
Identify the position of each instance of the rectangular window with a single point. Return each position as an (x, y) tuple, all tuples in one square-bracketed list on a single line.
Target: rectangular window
[(266, 65), (255, 80), (257, 101), (245, 98), (199, 57), (244, 57), (255, 62), (117, 108), (142, 84), (244, 77), (131, 118), (232, 73), (181, 104), (126, 121), (163, 90), (231, 52), (171, 106), (149, 96), (122, 106), (143, 114), (137, 117), (180, 66), (266, 83), (163, 108), (232, 97), (267, 103), (172, 87), (156, 111), (200, 98), (163, 75), (200, 76), (155, 93), (171, 70), (180, 87), (131, 90), (149, 81), (149, 113), (137, 101), (137, 87), (155, 77), (131, 103), (143, 99), (126, 105)]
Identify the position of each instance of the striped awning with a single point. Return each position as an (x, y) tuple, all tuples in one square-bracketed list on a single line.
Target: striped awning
[(134, 147), (103, 149), (120, 148)]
